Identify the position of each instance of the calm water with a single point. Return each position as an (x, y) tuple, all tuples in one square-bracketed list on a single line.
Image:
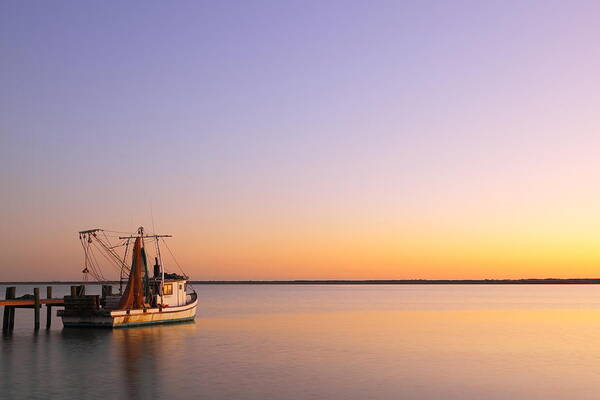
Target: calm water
[(326, 342)]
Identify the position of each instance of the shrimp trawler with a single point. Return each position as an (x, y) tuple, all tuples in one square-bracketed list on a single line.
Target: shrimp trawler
[(146, 300)]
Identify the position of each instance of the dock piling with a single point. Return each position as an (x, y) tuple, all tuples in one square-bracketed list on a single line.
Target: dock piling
[(48, 307), (10, 291), (36, 308), (5, 317), (106, 290), (11, 318)]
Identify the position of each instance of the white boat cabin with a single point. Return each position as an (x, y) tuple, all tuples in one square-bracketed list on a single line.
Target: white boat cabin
[(174, 294)]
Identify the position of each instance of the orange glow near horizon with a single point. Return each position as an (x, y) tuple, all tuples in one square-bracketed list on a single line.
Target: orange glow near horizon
[(293, 249)]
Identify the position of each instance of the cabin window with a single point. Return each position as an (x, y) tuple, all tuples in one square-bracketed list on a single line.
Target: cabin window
[(168, 289), (180, 286)]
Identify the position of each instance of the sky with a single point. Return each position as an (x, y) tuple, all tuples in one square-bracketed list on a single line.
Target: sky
[(304, 140)]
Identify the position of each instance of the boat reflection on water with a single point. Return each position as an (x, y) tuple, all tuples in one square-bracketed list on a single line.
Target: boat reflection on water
[(135, 363), (146, 357)]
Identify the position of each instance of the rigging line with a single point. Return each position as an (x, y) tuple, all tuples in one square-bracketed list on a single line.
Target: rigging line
[(110, 260), (86, 251), (89, 263), (152, 216), (85, 243), (125, 256), (115, 236), (104, 253), (162, 267), (94, 276), (93, 272), (157, 250), (94, 267), (116, 265), (172, 255), (109, 248), (98, 265), (110, 251), (108, 244), (174, 259), (117, 245), (106, 230)]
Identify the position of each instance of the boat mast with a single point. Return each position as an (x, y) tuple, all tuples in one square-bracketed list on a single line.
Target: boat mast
[(162, 269), (162, 275)]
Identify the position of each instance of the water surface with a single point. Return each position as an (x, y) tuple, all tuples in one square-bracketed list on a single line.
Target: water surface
[(324, 342)]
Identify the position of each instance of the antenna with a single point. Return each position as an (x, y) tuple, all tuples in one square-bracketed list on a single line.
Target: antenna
[(152, 216)]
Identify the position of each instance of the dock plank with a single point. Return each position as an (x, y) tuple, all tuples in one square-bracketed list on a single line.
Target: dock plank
[(27, 302)]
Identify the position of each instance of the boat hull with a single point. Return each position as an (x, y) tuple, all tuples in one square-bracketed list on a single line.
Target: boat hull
[(128, 318)]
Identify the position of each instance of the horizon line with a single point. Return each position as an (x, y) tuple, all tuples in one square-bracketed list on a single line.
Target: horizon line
[(517, 281)]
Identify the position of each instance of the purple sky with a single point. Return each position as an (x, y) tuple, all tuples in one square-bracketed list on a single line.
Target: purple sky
[(286, 121)]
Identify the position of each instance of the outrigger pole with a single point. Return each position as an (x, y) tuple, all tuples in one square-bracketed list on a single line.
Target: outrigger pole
[(144, 236)]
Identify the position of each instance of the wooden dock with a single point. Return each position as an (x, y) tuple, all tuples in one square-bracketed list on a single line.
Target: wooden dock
[(11, 302)]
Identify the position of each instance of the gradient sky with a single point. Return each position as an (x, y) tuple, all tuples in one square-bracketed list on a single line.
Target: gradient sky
[(304, 140)]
